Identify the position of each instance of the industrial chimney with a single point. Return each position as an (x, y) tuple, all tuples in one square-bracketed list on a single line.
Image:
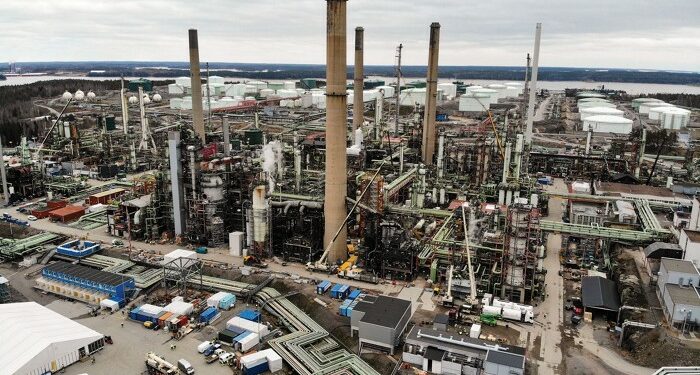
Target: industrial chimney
[(358, 86), (196, 83), (533, 86), (431, 96), (336, 129)]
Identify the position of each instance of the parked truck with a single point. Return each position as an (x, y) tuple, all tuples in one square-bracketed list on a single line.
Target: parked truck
[(157, 365)]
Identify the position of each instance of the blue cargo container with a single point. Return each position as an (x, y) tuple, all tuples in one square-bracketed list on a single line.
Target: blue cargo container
[(209, 315), (251, 315), (342, 292), (355, 293), (227, 302), (256, 370), (323, 287), (78, 249)]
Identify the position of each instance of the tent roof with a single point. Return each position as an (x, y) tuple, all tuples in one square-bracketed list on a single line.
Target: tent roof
[(27, 329)]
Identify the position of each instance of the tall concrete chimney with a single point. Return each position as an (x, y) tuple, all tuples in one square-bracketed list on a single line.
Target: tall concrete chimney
[(533, 86), (334, 209), (196, 83), (358, 102), (431, 95)]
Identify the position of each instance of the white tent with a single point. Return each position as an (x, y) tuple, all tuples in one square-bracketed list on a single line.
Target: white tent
[(35, 339)]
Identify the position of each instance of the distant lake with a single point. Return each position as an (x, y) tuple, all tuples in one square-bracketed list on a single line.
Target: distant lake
[(630, 88)]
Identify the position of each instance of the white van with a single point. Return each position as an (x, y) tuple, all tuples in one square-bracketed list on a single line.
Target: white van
[(204, 346), (226, 358), (184, 366)]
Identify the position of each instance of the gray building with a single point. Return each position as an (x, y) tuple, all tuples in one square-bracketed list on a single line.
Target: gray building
[(439, 352), (440, 322), (379, 321), (677, 288)]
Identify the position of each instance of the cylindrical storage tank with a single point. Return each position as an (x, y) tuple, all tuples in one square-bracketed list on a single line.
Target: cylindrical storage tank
[(498, 87), (216, 79), (266, 92), (584, 100), (474, 102), (645, 107), (512, 314), (513, 89), (593, 111), (655, 113), (186, 103), (608, 124), (183, 81), (289, 85), (472, 88), (581, 105), (639, 101), (450, 89), (491, 92), (674, 118), (176, 103)]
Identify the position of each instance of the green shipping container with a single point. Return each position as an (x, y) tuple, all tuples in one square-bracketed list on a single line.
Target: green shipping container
[(145, 83), (111, 123), (254, 137)]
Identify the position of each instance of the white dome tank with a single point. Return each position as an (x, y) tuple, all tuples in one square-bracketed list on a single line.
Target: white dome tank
[(67, 96), (157, 97), (146, 99), (79, 95), (91, 95), (133, 100)]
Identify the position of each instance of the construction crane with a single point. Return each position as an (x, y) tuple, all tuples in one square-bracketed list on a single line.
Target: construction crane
[(320, 264), (493, 126)]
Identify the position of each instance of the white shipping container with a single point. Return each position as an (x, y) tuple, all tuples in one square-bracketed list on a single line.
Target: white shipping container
[(248, 342), (235, 243), (475, 331), (247, 325)]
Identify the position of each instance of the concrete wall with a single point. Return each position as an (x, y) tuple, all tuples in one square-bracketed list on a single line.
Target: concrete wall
[(691, 250), (695, 215)]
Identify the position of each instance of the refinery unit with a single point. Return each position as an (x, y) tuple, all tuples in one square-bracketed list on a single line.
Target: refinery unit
[(182, 204)]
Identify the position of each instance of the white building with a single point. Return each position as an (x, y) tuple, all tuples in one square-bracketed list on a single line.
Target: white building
[(689, 242), (35, 340), (677, 288), (608, 124)]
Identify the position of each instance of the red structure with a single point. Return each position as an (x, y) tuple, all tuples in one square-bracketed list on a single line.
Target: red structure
[(67, 214)]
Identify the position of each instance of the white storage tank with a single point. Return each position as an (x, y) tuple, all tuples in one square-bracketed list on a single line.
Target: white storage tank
[(156, 98), (514, 89), (266, 92), (450, 89), (637, 102), (216, 79), (474, 102), (175, 89), (389, 91), (472, 88), (595, 104), (608, 124), (410, 97), (236, 89), (674, 118), (494, 94), (176, 103), (259, 85), (79, 95), (498, 87), (186, 103), (593, 111), (655, 112), (67, 96), (183, 81), (584, 100), (289, 85), (645, 107)]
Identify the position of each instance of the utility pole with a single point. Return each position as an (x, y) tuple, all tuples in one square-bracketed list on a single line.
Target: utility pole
[(398, 87)]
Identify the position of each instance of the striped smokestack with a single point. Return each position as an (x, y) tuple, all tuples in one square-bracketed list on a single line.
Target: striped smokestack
[(431, 95), (196, 83)]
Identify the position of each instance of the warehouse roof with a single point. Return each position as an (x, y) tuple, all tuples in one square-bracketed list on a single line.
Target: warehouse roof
[(87, 273), (679, 265), (683, 295), (68, 210), (434, 354), (383, 311), (27, 329), (599, 293)]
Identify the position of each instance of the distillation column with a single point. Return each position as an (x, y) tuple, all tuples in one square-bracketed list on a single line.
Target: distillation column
[(334, 209), (431, 95)]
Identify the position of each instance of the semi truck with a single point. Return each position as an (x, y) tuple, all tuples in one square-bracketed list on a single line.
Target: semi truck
[(510, 311)]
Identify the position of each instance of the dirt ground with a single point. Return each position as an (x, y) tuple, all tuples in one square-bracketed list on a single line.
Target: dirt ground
[(656, 348), (8, 230)]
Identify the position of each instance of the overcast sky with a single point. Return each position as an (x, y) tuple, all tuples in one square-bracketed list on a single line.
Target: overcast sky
[(590, 33)]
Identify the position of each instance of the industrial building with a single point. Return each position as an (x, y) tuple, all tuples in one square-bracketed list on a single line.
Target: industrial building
[(83, 282), (49, 341), (677, 288), (379, 321), (440, 352)]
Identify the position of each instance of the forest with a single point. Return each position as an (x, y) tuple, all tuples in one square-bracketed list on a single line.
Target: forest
[(17, 104)]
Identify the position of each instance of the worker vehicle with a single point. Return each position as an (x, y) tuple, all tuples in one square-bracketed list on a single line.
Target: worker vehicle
[(226, 358), (157, 365), (185, 367), (201, 348), (252, 260), (31, 218), (213, 348), (201, 250), (212, 358), (148, 324), (489, 319)]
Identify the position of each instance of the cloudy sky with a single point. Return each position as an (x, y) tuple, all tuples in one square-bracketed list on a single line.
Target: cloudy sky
[(591, 33)]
